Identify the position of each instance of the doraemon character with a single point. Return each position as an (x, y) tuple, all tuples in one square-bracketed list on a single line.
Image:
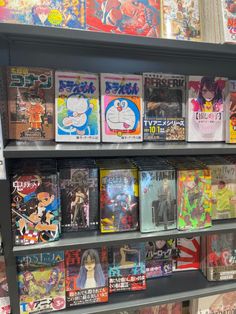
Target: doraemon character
[(78, 111), (122, 115)]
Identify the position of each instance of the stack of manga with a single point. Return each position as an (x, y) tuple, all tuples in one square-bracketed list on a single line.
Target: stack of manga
[(86, 276), (30, 103), (159, 258), (230, 114), (118, 196), (206, 102), (41, 281), (77, 107), (79, 195), (127, 271), (5, 307), (35, 202), (121, 108), (164, 107)]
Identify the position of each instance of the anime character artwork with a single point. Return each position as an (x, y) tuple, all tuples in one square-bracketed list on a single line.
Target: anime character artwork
[(121, 103), (127, 270), (229, 20), (230, 115), (86, 276), (206, 104), (41, 280), (35, 209), (140, 17), (5, 307), (77, 107), (30, 103)]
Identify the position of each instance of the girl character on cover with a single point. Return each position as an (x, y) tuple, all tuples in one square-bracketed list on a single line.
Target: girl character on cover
[(91, 274)]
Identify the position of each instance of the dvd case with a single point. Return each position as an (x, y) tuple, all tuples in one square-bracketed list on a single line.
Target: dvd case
[(5, 307), (121, 108), (127, 270), (86, 276), (230, 114), (77, 107), (30, 103), (164, 107), (229, 20)]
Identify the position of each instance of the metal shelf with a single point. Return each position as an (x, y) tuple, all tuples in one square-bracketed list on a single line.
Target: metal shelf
[(95, 239)]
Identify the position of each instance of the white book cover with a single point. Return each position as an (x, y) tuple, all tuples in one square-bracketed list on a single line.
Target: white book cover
[(122, 108), (77, 107), (229, 20)]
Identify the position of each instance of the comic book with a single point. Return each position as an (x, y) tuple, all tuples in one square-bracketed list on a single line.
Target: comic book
[(127, 270), (228, 11), (79, 198), (164, 107), (41, 281), (4, 297), (121, 108), (170, 308), (230, 114), (187, 254), (59, 13), (118, 200), (124, 17), (159, 258), (181, 20), (206, 100), (221, 258), (77, 107), (3, 121), (86, 276), (30, 103)]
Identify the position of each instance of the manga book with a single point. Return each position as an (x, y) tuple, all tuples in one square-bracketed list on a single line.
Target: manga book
[(194, 197), (57, 13), (4, 297), (118, 200), (157, 200), (121, 108), (79, 198), (228, 8), (41, 281), (3, 102), (86, 276), (230, 114), (77, 107), (170, 308), (221, 259), (206, 102), (181, 20), (164, 107), (127, 270), (2, 159), (35, 208), (187, 254), (140, 18), (30, 103), (159, 258)]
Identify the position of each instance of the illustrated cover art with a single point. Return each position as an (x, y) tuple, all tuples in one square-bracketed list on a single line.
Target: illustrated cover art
[(35, 209), (205, 108), (4, 297), (164, 107), (118, 200), (187, 254), (230, 115), (181, 20), (127, 270), (122, 108), (159, 258), (140, 18), (77, 107), (79, 198), (157, 201), (30, 103), (170, 308), (221, 259), (86, 276), (41, 281), (59, 13), (229, 20), (194, 196)]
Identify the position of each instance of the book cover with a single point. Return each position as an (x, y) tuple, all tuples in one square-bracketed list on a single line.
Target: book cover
[(230, 115), (41, 280), (164, 107), (30, 103), (124, 17), (77, 107), (181, 20), (170, 308), (229, 20), (122, 108), (127, 270), (86, 276), (205, 108), (5, 307)]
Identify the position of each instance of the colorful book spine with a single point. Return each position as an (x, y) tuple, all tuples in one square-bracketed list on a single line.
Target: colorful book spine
[(230, 114), (229, 20)]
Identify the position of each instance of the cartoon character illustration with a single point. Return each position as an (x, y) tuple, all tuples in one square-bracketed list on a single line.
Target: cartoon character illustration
[(78, 205), (53, 281), (128, 262), (29, 285)]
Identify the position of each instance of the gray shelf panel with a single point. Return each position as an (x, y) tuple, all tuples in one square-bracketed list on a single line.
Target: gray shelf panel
[(95, 239), (179, 287), (54, 150)]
